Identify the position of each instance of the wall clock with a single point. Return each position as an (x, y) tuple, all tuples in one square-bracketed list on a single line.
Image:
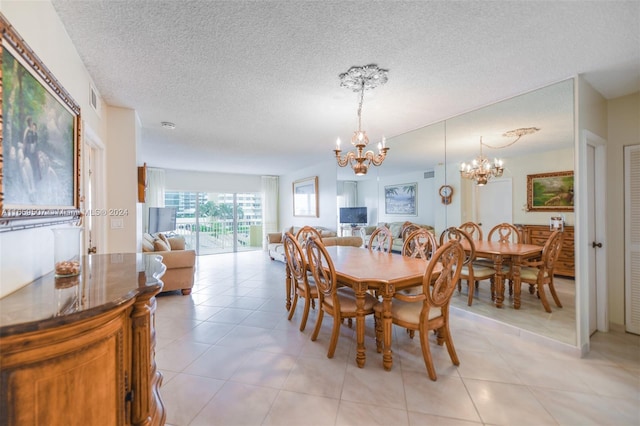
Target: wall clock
[(446, 191)]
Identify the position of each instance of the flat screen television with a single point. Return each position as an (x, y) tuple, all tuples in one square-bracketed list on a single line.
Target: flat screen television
[(162, 219), (353, 215)]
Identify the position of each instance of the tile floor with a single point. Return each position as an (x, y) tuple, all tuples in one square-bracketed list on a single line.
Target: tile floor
[(230, 357)]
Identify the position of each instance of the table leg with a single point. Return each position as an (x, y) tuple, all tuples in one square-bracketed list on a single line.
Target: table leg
[(387, 326), (499, 280), (360, 290)]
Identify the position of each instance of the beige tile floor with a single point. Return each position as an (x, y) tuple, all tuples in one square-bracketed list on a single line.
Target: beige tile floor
[(230, 357)]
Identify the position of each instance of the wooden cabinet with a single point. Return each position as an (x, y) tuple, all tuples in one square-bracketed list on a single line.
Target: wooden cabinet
[(85, 357), (538, 234)]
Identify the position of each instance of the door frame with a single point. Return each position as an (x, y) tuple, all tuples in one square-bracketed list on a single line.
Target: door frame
[(92, 142), (588, 138)]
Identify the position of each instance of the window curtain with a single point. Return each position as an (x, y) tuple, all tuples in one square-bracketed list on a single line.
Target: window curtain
[(155, 193), (270, 201)]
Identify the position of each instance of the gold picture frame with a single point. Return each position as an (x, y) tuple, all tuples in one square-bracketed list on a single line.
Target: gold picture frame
[(39, 141), (305, 197), (550, 192)]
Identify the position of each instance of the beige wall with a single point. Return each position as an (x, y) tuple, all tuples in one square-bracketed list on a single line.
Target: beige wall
[(26, 255), (624, 129), (123, 135)]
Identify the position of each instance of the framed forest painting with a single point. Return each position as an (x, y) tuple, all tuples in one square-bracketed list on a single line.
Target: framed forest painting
[(550, 192)]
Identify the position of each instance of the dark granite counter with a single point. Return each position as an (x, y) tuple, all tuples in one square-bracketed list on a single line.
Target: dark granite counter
[(106, 280)]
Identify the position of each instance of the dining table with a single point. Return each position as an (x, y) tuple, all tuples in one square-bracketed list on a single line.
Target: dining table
[(362, 269), (500, 253)]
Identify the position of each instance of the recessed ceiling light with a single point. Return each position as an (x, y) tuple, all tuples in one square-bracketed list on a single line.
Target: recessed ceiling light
[(168, 125)]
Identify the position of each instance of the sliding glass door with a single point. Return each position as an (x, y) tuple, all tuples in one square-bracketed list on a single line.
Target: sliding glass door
[(218, 222)]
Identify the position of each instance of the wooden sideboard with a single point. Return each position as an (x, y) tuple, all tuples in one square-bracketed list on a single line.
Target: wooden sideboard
[(538, 234), (81, 350)]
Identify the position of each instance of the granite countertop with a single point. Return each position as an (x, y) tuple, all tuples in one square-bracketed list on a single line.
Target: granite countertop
[(106, 280)]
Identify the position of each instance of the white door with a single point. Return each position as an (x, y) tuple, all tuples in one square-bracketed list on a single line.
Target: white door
[(596, 202), (632, 238), (494, 204)]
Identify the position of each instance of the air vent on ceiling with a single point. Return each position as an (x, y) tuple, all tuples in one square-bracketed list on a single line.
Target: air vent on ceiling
[(94, 99), (429, 175)]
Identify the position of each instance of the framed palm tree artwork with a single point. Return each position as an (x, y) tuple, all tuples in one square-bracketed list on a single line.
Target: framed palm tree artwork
[(401, 199)]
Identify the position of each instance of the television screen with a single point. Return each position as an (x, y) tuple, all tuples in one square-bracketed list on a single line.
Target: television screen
[(162, 219), (353, 215)]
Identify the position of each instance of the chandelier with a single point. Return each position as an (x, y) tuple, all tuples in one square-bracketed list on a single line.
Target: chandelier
[(481, 169), (360, 79)]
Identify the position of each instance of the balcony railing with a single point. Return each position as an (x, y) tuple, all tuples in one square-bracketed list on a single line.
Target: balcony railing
[(216, 235)]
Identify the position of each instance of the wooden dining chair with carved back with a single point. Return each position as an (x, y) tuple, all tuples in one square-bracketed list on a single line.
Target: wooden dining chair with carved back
[(408, 228), (506, 233), (301, 285), (539, 273), (419, 244), (381, 240), (304, 233), (429, 309), (473, 229), (339, 302), (472, 273)]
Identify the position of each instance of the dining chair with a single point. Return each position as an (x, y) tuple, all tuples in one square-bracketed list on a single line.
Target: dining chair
[(408, 228), (339, 302), (305, 232), (473, 229), (539, 273), (297, 265), (419, 244), (381, 240), (472, 272), (505, 233), (429, 309)]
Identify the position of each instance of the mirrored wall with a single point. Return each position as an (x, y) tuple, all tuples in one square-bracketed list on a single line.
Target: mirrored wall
[(425, 159)]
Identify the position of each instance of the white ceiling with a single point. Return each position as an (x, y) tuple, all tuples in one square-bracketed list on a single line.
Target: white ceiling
[(253, 86)]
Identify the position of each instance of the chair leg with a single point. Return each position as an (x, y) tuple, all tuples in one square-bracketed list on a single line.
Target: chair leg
[(305, 312), (543, 298), (377, 317), (293, 305), (316, 330), (470, 286), (448, 340), (426, 354), (335, 333), (552, 289)]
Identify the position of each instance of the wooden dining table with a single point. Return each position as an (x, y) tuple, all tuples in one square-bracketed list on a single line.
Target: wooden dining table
[(515, 253), (387, 273)]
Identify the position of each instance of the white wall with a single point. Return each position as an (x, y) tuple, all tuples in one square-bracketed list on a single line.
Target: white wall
[(187, 180), (26, 255), (327, 191)]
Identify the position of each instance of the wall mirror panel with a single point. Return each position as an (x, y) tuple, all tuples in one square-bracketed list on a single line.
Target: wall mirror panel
[(431, 157)]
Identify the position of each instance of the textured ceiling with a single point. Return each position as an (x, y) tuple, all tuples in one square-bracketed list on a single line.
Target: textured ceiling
[(253, 86)]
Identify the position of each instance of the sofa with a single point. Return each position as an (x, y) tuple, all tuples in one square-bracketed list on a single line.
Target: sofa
[(275, 246), (180, 262), (396, 229)]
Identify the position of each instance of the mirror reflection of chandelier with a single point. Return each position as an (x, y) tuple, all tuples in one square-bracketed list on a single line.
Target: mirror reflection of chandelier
[(360, 79), (481, 169)]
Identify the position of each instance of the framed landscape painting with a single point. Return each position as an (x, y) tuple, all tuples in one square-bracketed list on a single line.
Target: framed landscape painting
[(550, 192), (305, 197), (39, 149), (401, 199)]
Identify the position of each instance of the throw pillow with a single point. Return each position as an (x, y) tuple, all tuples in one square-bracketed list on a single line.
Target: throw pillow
[(396, 229), (160, 245)]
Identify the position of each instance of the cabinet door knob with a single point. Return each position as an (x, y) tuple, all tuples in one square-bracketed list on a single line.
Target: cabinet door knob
[(594, 245)]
